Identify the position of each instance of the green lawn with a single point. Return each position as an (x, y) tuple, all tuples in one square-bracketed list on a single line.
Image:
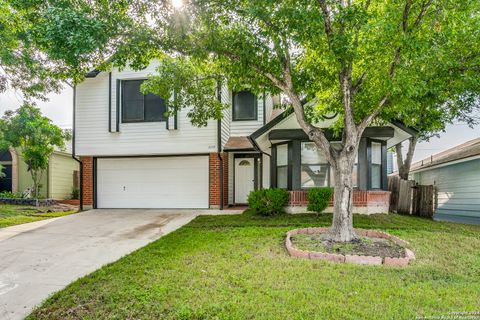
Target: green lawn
[(11, 215), (236, 267)]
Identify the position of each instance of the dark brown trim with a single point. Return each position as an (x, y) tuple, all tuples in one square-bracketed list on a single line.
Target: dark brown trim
[(117, 102), (175, 116), (74, 102), (264, 108), (271, 124), (110, 102), (246, 155), (94, 165), (155, 155), (410, 130), (238, 149), (299, 134), (92, 74), (219, 144)]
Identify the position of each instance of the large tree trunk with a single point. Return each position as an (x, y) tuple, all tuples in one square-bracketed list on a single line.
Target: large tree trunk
[(404, 165), (342, 225)]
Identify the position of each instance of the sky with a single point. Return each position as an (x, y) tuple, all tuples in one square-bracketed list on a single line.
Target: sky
[(59, 110)]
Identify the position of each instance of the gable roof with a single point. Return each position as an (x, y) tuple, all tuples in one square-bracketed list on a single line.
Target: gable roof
[(462, 152), (269, 125)]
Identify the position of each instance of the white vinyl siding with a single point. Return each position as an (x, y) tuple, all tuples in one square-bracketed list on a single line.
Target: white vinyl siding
[(155, 182), (61, 170), (93, 139), (458, 187)]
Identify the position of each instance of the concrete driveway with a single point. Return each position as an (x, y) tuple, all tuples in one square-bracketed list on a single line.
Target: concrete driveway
[(40, 258)]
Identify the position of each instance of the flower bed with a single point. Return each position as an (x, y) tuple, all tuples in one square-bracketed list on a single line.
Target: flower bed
[(350, 258)]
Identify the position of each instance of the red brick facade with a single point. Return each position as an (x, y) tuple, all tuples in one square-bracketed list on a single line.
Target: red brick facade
[(87, 193), (214, 198), (361, 198)]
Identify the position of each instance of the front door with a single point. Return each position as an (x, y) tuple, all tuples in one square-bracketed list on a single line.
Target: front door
[(244, 178)]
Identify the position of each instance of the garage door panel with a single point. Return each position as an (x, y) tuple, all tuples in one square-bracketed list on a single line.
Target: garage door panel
[(173, 182)]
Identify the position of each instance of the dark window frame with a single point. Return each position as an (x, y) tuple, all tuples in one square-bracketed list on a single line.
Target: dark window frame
[(274, 181), (122, 104), (327, 164), (383, 164), (255, 106)]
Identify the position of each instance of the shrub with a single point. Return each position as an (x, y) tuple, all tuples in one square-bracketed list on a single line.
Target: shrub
[(268, 202), (75, 195), (318, 199), (9, 195)]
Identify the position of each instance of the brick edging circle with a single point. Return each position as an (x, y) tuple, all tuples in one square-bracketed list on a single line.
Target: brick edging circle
[(376, 260)]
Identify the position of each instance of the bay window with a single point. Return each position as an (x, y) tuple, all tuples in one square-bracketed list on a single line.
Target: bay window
[(301, 165)]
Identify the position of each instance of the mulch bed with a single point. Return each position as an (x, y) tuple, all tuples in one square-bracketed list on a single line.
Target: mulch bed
[(364, 246)]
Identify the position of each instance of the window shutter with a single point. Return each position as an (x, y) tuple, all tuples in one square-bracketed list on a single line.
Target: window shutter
[(117, 109), (110, 102)]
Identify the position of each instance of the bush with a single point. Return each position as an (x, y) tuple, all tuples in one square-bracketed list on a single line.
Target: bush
[(9, 195), (268, 202), (318, 199), (75, 195)]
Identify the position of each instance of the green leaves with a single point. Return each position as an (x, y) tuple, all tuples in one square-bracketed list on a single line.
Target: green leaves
[(188, 83), (35, 135)]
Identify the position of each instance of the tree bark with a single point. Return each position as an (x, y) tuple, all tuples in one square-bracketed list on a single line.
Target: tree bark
[(405, 165), (342, 224)]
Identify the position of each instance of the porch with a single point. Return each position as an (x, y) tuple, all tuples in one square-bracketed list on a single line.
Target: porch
[(364, 201)]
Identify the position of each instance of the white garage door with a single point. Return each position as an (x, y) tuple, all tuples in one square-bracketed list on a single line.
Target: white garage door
[(164, 182)]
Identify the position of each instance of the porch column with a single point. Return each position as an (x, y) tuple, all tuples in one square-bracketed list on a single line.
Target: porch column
[(362, 166), (295, 162)]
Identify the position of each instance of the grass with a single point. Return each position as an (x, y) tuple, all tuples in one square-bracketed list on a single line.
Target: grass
[(236, 267), (11, 215)]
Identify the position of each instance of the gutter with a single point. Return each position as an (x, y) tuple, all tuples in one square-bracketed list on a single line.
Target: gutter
[(73, 148), (219, 144)]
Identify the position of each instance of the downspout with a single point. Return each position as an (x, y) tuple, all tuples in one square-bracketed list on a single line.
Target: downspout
[(73, 148), (219, 144)]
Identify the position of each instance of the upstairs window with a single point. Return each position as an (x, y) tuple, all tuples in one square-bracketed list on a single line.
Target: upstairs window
[(139, 107), (244, 106)]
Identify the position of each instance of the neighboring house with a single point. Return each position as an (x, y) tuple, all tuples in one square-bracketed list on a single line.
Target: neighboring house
[(57, 182), (135, 157), (456, 175)]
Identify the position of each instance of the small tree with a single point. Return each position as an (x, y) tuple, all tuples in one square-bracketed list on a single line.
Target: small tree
[(36, 137)]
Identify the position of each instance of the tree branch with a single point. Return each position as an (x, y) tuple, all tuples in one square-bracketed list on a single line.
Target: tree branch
[(357, 86), (425, 6), (327, 20)]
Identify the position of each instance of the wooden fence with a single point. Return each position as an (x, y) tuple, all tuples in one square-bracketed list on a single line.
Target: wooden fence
[(408, 197)]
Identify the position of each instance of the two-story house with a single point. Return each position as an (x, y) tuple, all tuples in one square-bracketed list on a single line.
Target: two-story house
[(135, 157)]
